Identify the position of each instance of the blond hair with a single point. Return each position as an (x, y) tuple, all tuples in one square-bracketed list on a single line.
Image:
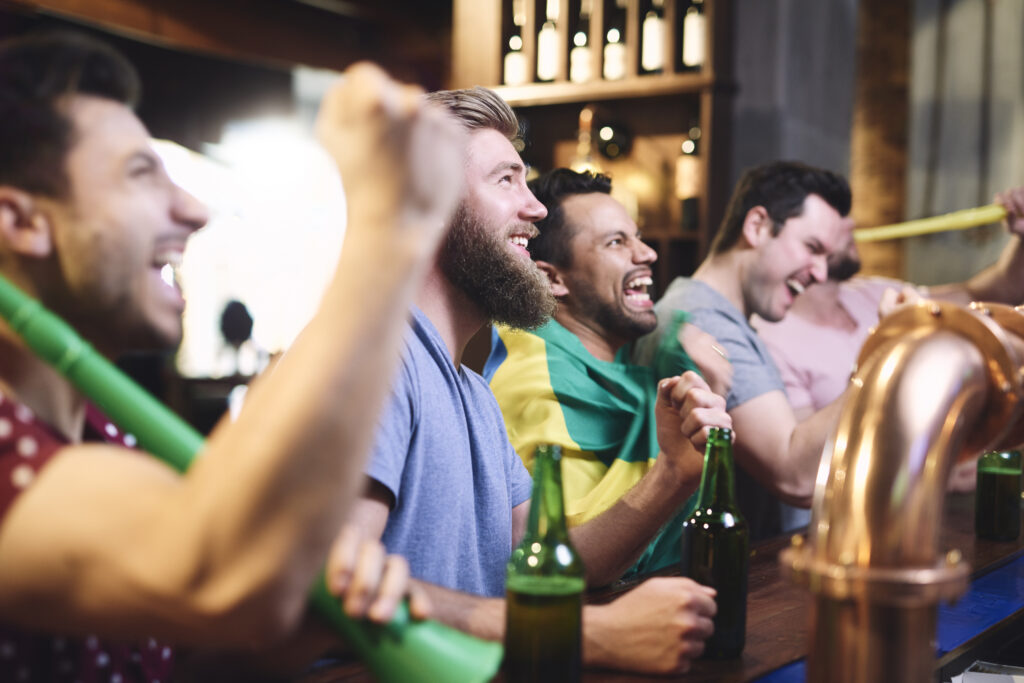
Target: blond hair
[(479, 108)]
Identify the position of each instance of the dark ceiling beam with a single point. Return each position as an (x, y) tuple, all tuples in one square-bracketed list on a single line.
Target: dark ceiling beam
[(273, 32)]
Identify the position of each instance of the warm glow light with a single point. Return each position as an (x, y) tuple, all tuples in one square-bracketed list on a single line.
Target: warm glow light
[(515, 43), (277, 219), (605, 133)]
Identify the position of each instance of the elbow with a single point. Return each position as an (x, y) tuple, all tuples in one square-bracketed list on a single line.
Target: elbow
[(796, 490), (231, 612)]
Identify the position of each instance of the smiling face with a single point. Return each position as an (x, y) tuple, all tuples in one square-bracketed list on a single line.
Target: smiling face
[(123, 221), (789, 262), (608, 274), (485, 253)]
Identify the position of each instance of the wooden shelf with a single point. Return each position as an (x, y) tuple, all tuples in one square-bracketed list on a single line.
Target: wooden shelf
[(657, 109), (540, 94)]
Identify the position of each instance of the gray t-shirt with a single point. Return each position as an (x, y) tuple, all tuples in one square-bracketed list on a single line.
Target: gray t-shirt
[(441, 449), (754, 374), (754, 371)]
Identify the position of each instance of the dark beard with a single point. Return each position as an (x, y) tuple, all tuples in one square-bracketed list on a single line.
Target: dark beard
[(507, 290), (612, 319), (843, 270)]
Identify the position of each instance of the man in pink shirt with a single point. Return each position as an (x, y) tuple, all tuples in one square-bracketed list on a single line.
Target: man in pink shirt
[(816, 344)]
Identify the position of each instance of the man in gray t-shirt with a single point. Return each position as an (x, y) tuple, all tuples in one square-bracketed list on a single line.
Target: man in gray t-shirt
[(782, 222), (754, 375)]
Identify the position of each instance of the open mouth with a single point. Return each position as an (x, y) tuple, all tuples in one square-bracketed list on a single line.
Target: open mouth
[(520, 241), (795, 286), (636, 290), (168, 263)]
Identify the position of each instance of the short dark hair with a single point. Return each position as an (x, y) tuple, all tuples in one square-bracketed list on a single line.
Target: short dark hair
[(781, 188), (36, 73), (551, 189)]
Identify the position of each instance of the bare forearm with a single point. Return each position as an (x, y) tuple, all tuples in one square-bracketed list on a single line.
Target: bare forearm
[(806, 446), (296, 453), (1002, 282), (612, 541), (473, 614)]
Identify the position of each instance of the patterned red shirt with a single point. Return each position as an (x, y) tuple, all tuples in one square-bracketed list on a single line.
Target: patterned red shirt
[(26, 445)]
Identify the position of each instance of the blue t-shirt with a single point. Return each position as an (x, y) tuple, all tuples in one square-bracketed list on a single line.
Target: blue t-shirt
[(442, 450)]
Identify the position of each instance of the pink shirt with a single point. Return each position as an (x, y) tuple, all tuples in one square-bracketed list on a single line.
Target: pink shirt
[(26, 445), (815, 361)]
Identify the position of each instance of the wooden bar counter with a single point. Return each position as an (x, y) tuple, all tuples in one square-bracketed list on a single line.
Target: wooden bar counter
[(777, 612)]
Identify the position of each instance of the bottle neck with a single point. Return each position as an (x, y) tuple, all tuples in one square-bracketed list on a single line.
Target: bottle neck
[(717, 489), (547, 509)]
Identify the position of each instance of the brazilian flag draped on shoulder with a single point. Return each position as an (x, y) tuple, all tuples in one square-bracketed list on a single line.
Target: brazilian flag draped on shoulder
[(551, 390)]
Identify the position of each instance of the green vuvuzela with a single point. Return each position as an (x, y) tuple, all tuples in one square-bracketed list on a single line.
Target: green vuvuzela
[(402, 650)]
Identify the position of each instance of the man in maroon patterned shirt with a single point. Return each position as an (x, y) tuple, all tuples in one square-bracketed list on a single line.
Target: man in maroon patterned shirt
[(98, 544)]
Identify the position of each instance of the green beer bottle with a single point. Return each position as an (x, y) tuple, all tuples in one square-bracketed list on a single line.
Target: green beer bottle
[(544, 586), (716, 547), (997, 498)]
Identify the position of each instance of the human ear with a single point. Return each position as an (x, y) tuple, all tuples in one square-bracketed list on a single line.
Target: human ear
[(757, 226), (555, 280), (24, 228)]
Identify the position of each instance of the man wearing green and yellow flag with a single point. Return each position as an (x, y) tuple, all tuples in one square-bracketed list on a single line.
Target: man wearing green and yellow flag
[(569, 382)]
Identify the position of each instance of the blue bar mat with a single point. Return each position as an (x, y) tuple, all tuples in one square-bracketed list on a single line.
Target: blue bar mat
[(991, 598)]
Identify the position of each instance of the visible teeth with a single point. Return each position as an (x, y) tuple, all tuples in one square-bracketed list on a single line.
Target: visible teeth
[(519, 240), (795, 285), (637, 283), (170, 258), (642, 296), (169, 263), (168, 274)]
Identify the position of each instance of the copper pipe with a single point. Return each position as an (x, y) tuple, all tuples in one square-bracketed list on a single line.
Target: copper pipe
[(935, 384)]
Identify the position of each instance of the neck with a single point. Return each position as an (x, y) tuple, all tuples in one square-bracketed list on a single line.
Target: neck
[(454, 315), (724, 273), (600, 345), (28, 380)]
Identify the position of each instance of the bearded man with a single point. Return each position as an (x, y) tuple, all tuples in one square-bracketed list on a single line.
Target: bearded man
[(445, 487)]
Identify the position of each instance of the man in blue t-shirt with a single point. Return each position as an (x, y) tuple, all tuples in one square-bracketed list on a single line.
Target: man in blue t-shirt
[(445, 487)]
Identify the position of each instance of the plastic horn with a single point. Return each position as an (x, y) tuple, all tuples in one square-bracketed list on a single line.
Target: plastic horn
[(402, 650), (958, 220)]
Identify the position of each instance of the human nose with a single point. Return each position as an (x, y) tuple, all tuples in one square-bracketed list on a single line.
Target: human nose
[(532, 210), (819, 268), (643, 253), (189, 211)]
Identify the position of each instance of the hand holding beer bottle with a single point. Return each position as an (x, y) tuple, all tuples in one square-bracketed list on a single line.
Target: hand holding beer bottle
[(716, 547), (544, 586)]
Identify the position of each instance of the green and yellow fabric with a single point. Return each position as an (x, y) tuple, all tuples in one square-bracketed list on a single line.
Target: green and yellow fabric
[(551, 390)]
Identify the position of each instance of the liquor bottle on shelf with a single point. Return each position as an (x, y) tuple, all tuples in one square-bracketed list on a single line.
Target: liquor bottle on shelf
[(689, 179), (544, 587), (516, 71), (579, 58), (614, 56), (716, 547), (547, 43), (547, 52), (652, 39), (997, 498), (694, 36), (584, 159), (615, 41)]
